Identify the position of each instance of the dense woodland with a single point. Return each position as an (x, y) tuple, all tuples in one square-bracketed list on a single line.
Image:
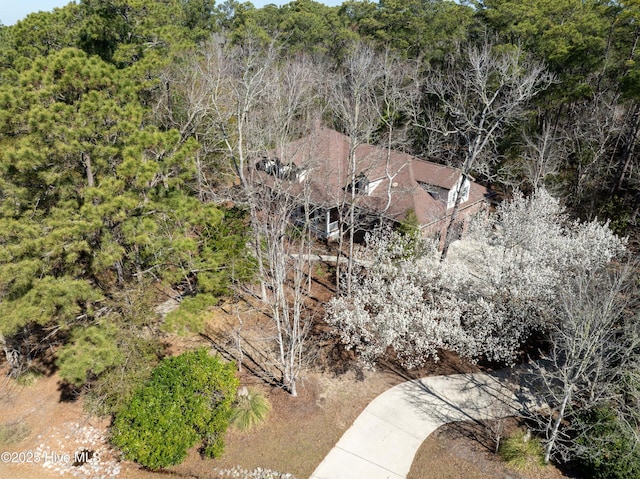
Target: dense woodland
[(128, 129)]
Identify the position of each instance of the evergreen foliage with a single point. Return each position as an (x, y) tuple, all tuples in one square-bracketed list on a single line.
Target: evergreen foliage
[(112, 390), (97, 199), (609, 447), (188, 399), (409, 226), (190, 315), (90, 351)]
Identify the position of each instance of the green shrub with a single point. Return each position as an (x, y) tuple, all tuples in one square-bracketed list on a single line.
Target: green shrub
[(522, 452), (250, 410), (410, 225), (189, 398), (320, 270), (608, 447), (13, 432), (112, 390)]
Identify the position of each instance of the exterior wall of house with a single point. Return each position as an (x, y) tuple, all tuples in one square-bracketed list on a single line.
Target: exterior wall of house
[(438, 229), (324, 222), (451, 198), (332, 228)]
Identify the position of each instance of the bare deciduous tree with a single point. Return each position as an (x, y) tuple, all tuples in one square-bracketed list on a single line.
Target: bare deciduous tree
[(287, 267), (352, 100), (470, 103), (397, 92), (594, 135), (543, 154), (593, 345), (370, 95), (254, 104), (286, 111)]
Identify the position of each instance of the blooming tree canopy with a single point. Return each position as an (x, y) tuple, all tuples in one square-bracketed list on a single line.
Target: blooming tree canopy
[(492, 292)]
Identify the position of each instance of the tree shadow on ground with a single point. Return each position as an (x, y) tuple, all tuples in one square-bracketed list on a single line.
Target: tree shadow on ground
[(253, 359), (68, 392), (447, 363)]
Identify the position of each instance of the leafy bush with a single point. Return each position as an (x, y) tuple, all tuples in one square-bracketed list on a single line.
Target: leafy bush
[(608, 449), (410, 225), (188, 398), (521, 451), (250, 410), (112, 390)]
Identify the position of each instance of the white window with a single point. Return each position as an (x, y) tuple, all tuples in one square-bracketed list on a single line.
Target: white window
[(373, 185), (465, 191)]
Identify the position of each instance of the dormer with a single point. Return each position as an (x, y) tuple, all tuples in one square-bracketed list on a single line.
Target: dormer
[(437, 192), (464, 192), (360, 184), (363, 186), (275, 167)]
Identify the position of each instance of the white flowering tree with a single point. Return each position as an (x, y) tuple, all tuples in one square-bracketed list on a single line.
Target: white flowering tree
[(484, 300), (413, 303), (526, 251)]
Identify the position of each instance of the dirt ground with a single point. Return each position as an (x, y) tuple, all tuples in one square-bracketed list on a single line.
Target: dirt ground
[(57, 431), (465, 450), (298, 434)]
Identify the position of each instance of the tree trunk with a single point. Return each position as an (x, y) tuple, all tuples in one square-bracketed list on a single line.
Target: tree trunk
[(629, 148), (451, 227), (293, 390), (339, 252), (553, 437), (87, 164), (119, 271)]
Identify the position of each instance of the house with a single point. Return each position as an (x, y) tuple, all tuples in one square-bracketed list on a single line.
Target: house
[(387, 184)]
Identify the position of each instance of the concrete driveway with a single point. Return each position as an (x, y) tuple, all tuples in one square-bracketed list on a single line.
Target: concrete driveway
[(383, 440)]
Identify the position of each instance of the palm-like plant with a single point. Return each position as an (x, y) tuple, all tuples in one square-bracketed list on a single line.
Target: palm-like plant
[(250, 410)]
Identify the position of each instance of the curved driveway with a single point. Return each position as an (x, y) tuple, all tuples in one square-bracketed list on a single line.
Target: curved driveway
[(383, 440)]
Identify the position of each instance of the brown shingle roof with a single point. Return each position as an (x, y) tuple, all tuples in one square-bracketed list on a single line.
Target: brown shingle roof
[(325, 154)]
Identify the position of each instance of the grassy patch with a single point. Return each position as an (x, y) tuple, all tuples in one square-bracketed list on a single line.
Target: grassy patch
[(320, 270), (29, 377), (13, 432), (522, 452)]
